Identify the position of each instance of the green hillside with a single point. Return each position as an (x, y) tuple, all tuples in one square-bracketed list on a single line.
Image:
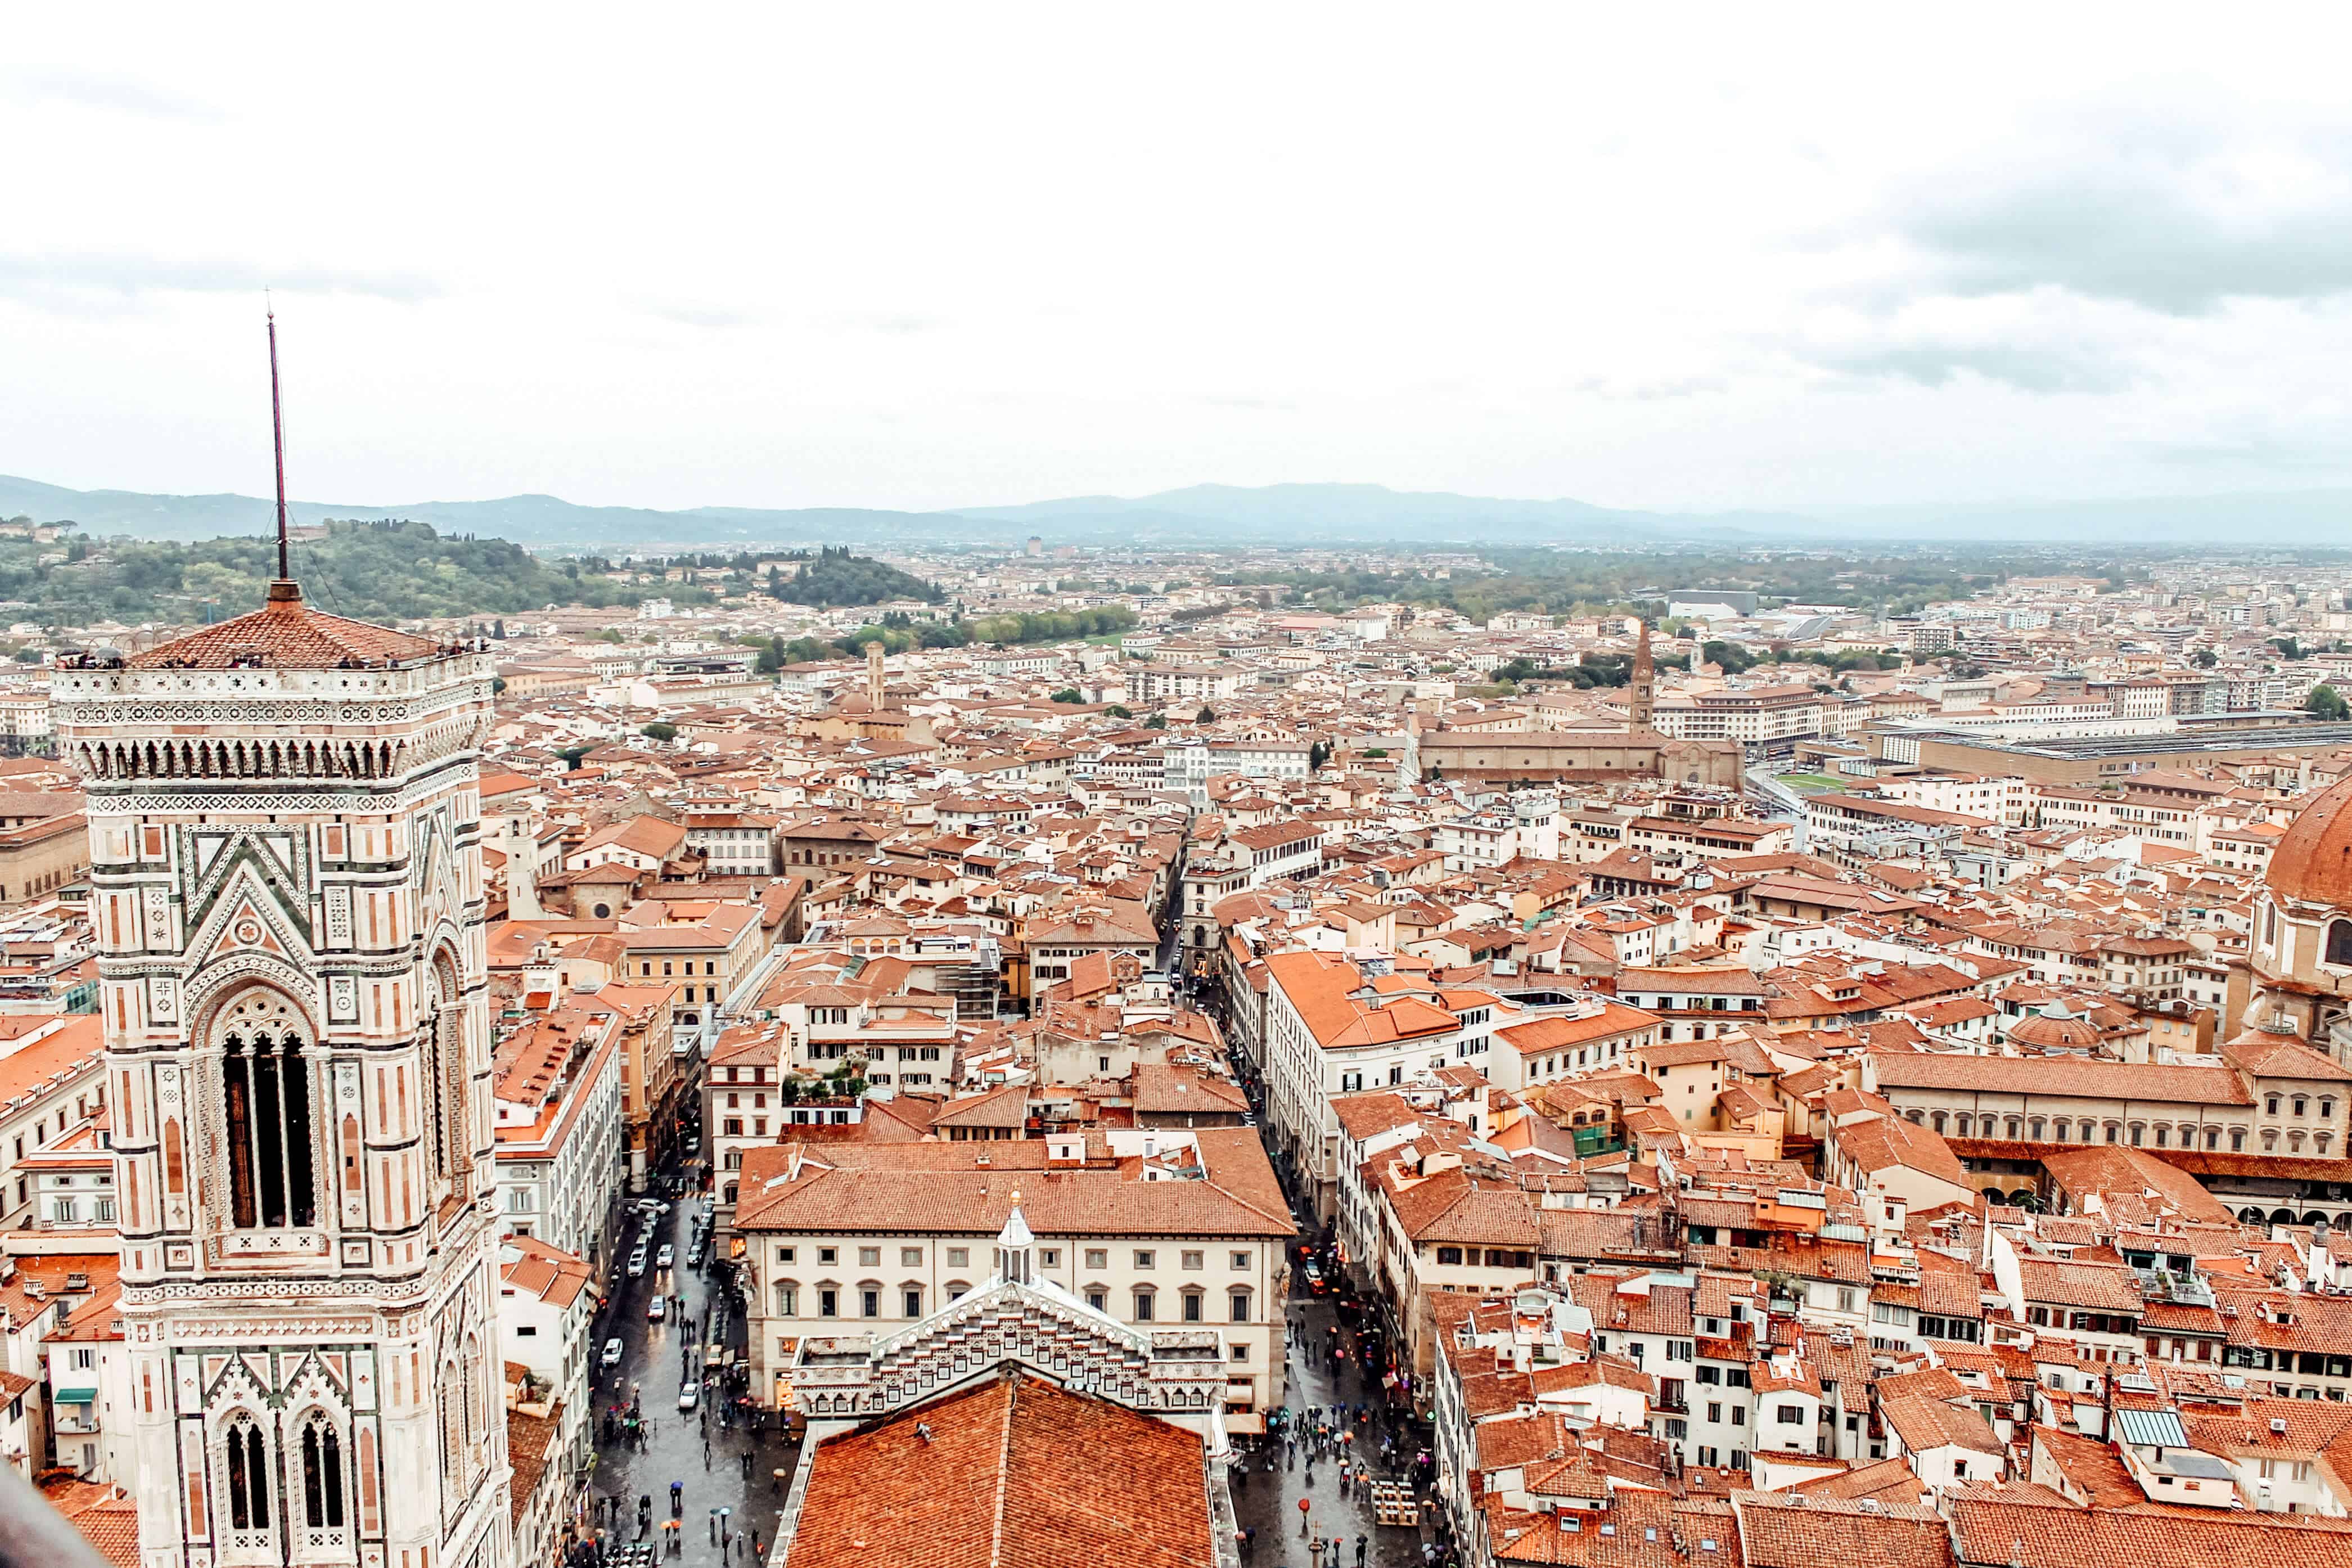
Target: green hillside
[(375, 570), (836, 577)]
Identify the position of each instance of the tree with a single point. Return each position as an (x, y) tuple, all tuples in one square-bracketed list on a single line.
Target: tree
[(498, 685), (1120, 711), (2327, 703), (659, 731), (1157, 721), (571, 756), (2204, 658), (499, 629), (1067, 694), (1317, 754), (1208, 715)]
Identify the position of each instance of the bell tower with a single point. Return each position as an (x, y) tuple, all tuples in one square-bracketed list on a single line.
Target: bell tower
[(1643, 693), (287, 892)]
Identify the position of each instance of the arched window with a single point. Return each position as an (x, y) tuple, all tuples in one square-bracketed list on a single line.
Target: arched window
[(2058, 1131), (323, 1475), (2037, 1125), (265, 1097), (2339, 942), (248, 1478), (2301, 1105), (451, 1134), (1240, 1305)]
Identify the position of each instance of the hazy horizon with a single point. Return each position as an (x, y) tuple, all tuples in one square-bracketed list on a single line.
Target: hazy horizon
[(936, 260)]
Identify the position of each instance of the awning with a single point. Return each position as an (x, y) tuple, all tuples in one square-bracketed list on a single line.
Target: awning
[(76, 1397)]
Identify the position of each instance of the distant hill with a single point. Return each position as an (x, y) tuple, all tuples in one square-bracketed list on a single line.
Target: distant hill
[(1232, 514), (378, 572), (837, 577)]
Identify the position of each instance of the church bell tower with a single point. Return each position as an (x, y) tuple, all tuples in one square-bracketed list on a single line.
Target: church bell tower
[(287, 892)]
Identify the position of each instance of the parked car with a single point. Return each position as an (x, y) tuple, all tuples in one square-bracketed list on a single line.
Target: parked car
[(666, 1257), (613, 1353), (637, 1262)]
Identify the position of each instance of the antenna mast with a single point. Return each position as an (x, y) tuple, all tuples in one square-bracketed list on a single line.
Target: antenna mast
[(278, 432)]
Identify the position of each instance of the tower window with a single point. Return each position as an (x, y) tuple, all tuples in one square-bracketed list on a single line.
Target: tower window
[(323, 1475), (248, 1478), (265, 1091), (2339, 942)]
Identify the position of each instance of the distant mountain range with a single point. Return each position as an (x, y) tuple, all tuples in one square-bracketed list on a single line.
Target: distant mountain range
[(1231, 515)]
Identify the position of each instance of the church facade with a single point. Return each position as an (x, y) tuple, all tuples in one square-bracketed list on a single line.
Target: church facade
[(287, 890)]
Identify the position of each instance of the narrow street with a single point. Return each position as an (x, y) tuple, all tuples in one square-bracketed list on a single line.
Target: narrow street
[(705, 1449)]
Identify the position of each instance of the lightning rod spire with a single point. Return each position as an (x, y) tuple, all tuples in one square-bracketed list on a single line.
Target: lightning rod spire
[(284, 588)]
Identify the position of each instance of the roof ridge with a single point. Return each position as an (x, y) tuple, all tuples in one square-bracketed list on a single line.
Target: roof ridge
[(1004, 1471)]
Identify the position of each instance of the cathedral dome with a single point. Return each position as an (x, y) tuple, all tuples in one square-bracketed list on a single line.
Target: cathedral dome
[(2313, 861)]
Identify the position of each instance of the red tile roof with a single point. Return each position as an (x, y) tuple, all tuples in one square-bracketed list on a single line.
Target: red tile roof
[(1018, 1472), (284, 634)]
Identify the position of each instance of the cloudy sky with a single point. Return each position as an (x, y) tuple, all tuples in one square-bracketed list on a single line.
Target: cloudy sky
[(919, 256)]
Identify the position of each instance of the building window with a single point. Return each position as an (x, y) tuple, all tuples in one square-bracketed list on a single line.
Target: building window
[(1191, 1260), (869, 1256), (1240, 1304), (1098, 1257), (248, 1478), (1195, 1309), (913, 1303), (869, 1302), (1143, 1259), (959, 1257), (1143, 1306), (829, 1304), (265, 1091), (323, 1475), (911, 1258), (2339, 942)]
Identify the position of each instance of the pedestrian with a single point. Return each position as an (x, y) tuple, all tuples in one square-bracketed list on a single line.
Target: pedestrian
[(1363, 1544)]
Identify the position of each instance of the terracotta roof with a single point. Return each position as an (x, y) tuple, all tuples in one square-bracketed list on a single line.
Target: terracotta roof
[(1018, 1472), (1787, 1531), (968, 1188), (2030, 1535), (286, 634)]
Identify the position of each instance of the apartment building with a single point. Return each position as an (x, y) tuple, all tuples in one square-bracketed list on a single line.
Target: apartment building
[(1182, 1229)]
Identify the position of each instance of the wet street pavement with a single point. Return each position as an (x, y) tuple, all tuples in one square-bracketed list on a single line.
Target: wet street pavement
[(1268, 1501), (698, 1447)]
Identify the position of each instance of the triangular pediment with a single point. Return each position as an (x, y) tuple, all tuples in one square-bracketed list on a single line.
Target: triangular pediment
[(249, 916), (273, 858)]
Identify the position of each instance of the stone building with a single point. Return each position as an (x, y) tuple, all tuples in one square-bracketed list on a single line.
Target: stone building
[(287, 898)]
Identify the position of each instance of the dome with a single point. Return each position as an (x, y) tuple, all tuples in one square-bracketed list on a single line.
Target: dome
[(2313, 861), (2053, 1028)]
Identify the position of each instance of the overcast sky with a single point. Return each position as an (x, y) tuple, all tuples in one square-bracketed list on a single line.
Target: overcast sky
[(901, 256)]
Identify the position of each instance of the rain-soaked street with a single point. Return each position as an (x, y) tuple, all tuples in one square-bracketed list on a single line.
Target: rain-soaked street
[(1267, 1501), (717, 1460)]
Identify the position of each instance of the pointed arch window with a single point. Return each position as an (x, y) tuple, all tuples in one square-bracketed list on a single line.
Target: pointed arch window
[(248, 1478), (266, 1100), (323, 1474)]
